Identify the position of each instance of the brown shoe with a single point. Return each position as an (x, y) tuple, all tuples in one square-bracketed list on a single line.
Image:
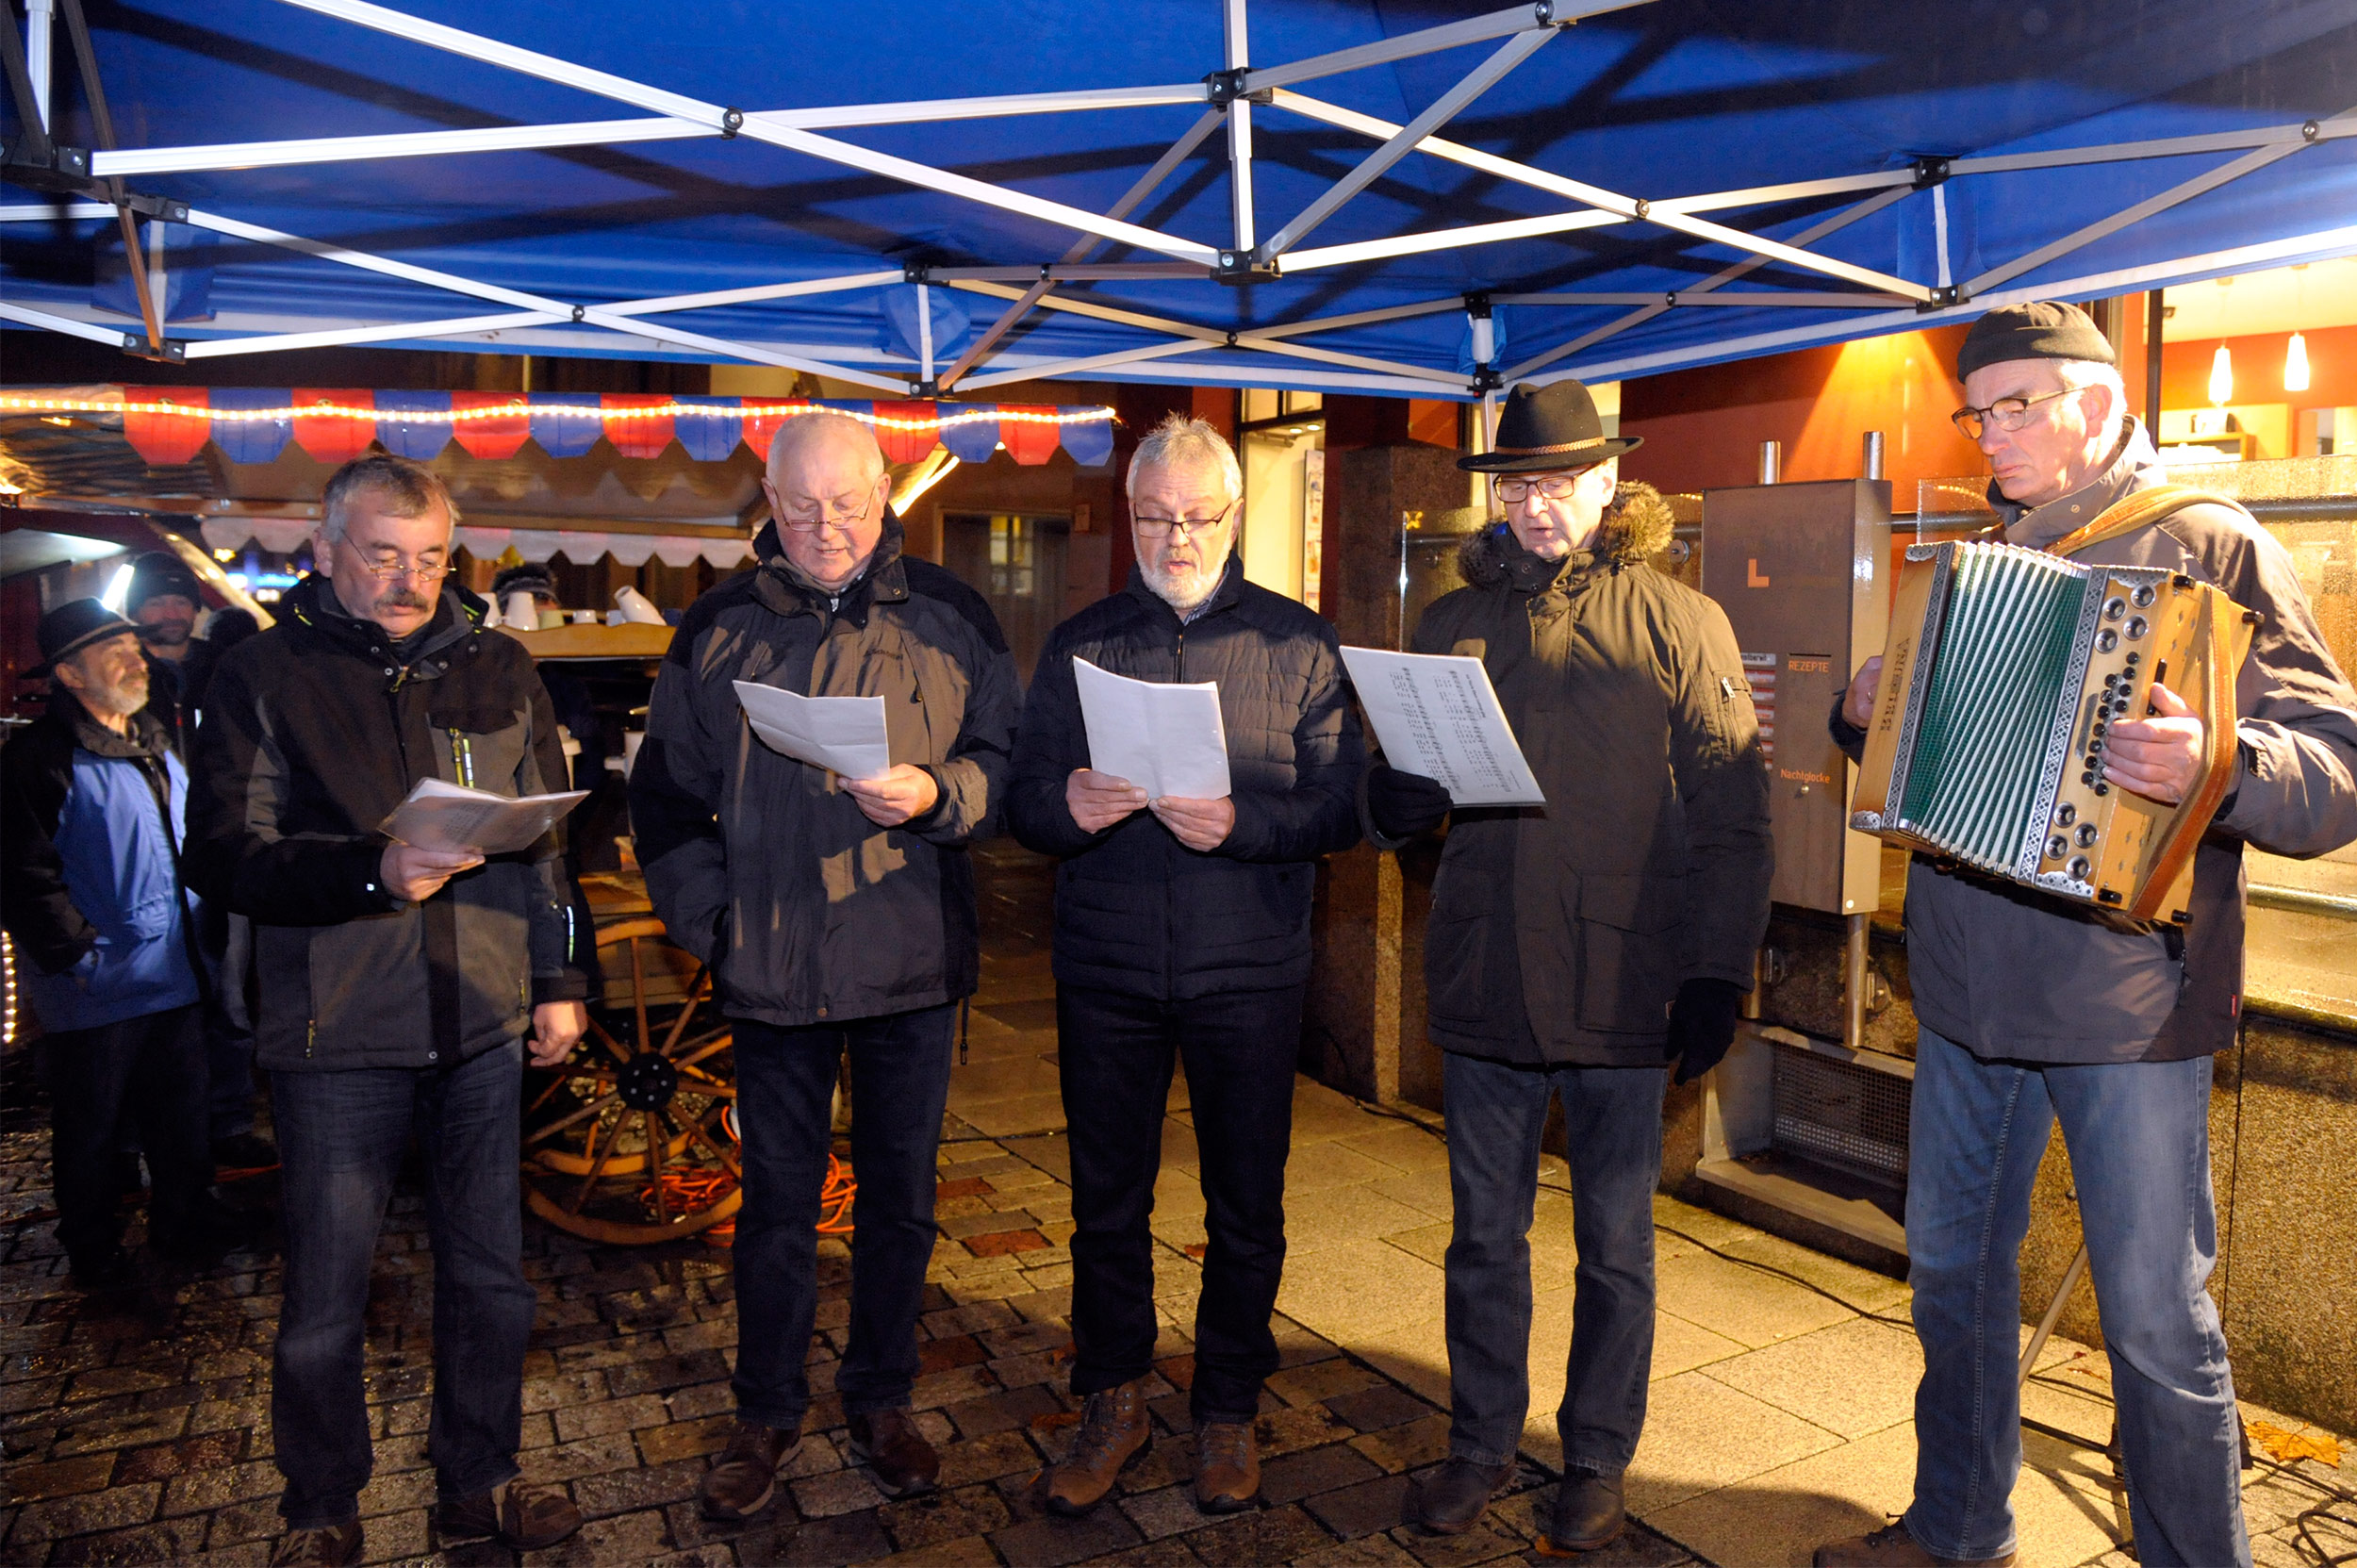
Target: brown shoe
[(895, 1452), (1226, 1468), (1114, 1432), (743, 1479), (519, 1515), (1892, 1547), (1451, 1497), (329, 1546)]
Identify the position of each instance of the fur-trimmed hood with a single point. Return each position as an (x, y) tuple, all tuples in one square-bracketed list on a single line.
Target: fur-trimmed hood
[(1637, 525)]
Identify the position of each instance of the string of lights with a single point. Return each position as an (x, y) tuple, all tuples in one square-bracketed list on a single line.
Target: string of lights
[(1002, 413)]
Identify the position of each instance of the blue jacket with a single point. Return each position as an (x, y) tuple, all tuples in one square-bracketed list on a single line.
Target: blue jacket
[(91, 825)]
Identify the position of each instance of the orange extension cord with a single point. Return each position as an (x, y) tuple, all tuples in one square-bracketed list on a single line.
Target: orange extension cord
[(684, 1189)]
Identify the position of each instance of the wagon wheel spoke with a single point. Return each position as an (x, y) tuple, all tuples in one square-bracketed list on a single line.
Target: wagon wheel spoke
[(655, 1164), (548, 1093), (638, 990), (542, 1134), (597, 1166), (712, 1044), (609, 1042), (679, 1025), (695, 1129), (708, 1084)]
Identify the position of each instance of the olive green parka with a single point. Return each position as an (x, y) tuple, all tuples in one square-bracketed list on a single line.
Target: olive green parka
[(1560, 933)]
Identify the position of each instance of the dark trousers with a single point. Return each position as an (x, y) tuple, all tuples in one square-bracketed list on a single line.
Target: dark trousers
[(341, 1139), (148, 1071), (1613, 1125), (1114, 1059), (786, 1082)]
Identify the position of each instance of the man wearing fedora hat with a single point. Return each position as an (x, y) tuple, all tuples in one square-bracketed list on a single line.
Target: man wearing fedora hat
[(93, 800), (1576, 950)]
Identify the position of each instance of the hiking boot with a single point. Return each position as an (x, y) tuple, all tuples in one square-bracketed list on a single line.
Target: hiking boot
[(244, 1151), (1113, 1433), (743, 1479), (895, 1452), (327, 1546), (1226, 1468), (519, 1515), (1892, 1546), (206, 1232), (1451, 1500), (1589, 1511)]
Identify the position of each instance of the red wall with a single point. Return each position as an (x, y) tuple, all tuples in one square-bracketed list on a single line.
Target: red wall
[(1703, 427), (2259, 370)]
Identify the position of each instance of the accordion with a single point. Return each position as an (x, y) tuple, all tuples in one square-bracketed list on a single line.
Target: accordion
[(2004, 668)]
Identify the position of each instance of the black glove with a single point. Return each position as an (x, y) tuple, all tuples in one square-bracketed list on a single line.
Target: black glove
[(1403, 804), (1702, 1026)]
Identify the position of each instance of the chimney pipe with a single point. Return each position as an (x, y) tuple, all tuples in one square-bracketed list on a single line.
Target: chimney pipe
[(1873, 455), (1770, 462)]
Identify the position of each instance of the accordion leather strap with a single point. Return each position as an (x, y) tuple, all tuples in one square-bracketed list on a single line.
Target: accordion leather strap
[(2193, 818), (2129, 513)]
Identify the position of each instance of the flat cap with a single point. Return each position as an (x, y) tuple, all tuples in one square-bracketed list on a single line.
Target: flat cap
[(2042, 329)]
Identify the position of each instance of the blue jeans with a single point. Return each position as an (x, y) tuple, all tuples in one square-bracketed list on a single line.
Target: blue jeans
[(1612, 1123), (2138, 1134), (786, 1089), (341, 1138)]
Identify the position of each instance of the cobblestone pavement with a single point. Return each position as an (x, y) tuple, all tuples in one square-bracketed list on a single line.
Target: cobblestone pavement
[(138, 1430)]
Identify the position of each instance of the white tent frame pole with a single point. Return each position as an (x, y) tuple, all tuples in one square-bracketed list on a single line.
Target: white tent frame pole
[(1452, 35), (1144, 185), (1359, 318), (1442, 239), (2234, 169), (756, 293), (924, 332), (760, 127), (278, 343), (1694, 296), (48, 212), (25, 315), (596, 316), (1724, 276), (1404, 140), (1236, 48), (1674, 213), (1094, 362)]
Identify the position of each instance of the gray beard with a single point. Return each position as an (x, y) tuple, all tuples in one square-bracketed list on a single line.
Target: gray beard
[(1160, 585), (120, 700)]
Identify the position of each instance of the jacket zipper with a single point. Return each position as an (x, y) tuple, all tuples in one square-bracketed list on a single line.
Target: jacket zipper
[(462, 758), (310, 1036), (1170, 884)]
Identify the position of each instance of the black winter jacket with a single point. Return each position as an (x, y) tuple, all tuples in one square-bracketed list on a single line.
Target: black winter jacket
[(1137, 911), (762, 866), (314, 731)]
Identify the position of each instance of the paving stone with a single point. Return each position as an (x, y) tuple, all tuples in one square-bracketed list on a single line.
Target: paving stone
[(166, 1541), (1361, 1510), (965, 1513), (1303, 1385), (1168, 1512), (610, 1415), (1407, 1447), (1003, 1410), (1372, 1551), (966, 1552), (84, 1512), (1373, 1410), (984, 1459), (1049, 1542), (31, 1483), (654, 1486), (845, 1491), (1314, 1471), (1264, 1535), (1484, 1542), (666, 1372), (821, 1544), (678, 1440)]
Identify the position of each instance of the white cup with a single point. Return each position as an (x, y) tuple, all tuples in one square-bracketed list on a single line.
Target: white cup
[(521, 611), (635, 607)]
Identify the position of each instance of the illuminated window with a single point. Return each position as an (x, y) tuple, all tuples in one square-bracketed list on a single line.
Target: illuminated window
[(1014, 559)]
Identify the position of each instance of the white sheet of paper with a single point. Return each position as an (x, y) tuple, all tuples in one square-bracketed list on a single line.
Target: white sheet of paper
[(844, 734), (1438, 715), (440, 815), (1167, 739)]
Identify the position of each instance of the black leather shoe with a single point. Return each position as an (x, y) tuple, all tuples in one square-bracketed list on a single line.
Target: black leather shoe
[(1451, 1500), (110, 1270), (1589, 1511)]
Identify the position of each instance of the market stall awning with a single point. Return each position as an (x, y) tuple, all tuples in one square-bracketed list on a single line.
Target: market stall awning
[(946, 197)]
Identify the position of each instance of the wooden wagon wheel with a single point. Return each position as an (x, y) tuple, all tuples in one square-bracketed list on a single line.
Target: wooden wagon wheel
[(627, 1143)]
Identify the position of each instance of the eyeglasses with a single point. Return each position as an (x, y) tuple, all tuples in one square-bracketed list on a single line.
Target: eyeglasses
[(841, 513), (2005, 413), (1155, 528), (422, 572), (1547, 486)]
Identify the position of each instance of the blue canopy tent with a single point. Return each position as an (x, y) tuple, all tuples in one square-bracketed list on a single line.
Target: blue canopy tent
[(934, 198)]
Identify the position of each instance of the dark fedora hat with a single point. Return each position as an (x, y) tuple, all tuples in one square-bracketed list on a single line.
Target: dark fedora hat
[(74, 626), (1543, 428)]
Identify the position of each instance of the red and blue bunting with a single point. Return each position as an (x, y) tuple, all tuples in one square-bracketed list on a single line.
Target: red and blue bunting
[(171, 424)]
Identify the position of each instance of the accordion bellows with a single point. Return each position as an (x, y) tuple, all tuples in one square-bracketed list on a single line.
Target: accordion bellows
[(2005, 670)]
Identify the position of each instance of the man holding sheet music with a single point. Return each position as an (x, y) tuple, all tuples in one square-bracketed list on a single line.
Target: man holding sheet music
[(828, 733), (1182, 930), (400, 987), (1575, 946)]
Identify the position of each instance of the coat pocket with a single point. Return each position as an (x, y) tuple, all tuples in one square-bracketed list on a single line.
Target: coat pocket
[(1455, 956), (1629, 951)]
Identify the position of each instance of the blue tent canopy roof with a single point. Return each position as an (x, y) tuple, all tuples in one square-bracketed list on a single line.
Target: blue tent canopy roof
[(1622, 187)]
